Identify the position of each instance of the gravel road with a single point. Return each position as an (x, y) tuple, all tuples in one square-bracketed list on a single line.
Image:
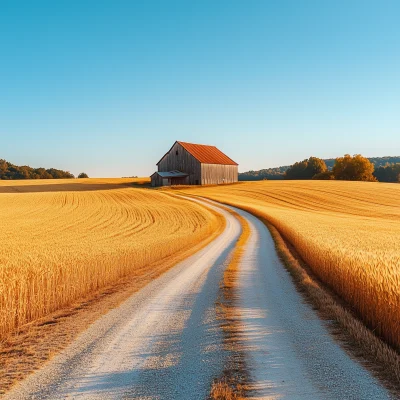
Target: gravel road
[(165, 342)]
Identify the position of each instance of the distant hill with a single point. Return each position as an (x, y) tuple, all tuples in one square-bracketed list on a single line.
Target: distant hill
[(278, 172), (10, 171)]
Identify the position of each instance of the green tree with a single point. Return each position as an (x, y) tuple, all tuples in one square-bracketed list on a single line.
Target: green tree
[(297, 170), (388, 173), (315, 166), (10, 171), (83, 175), (322, 176), (306, 169), (356, 168)]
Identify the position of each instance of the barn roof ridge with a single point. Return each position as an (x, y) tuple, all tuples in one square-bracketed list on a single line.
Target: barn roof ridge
[(205, 154)]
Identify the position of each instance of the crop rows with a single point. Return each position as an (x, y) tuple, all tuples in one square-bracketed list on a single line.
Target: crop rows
[(60, 245)]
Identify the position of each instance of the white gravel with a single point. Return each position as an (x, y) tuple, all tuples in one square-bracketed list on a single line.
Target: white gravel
[(165, 342)]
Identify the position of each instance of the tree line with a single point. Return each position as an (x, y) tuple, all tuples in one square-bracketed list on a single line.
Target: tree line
[(377, 161), (10, 171), (348, 168), (384, 170), (268, 173)]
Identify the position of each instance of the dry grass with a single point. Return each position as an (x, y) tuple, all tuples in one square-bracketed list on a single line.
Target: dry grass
[(347, 232), (222, 391), (59, 246), (230, 274), (234, 382)]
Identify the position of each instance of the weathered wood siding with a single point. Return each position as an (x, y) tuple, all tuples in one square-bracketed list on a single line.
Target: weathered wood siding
[(156, 180), (212, 174), (180, 181), (181, 160)]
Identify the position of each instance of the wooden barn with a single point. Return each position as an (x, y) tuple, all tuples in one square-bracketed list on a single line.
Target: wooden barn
[(194, 164)]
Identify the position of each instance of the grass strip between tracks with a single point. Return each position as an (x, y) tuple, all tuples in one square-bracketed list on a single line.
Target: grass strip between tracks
[(233, 384)]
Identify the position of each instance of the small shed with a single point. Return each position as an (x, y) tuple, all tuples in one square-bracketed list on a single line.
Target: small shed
[(169, 178)]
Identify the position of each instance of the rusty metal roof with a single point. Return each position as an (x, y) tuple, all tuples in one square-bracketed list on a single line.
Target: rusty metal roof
[(207, 154)]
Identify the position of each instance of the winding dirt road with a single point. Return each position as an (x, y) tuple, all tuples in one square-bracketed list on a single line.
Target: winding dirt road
[(165, 341)]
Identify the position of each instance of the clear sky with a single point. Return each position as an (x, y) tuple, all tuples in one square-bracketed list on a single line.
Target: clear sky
[(106, 87)]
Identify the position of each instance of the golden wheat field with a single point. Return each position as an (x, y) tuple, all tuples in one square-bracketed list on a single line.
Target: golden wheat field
[(348, 232), (64, 239)]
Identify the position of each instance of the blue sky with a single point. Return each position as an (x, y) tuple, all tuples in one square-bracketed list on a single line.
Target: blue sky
[(106, 87)]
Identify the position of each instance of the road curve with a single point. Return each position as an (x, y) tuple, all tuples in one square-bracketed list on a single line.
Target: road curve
[(165, 342)]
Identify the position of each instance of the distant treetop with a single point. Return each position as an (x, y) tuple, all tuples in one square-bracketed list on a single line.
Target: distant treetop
[(306, 169), (353, 168), (10, 171)]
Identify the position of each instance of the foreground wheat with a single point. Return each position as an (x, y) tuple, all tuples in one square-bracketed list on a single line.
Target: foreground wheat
[(58, 245), (348, 232)]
